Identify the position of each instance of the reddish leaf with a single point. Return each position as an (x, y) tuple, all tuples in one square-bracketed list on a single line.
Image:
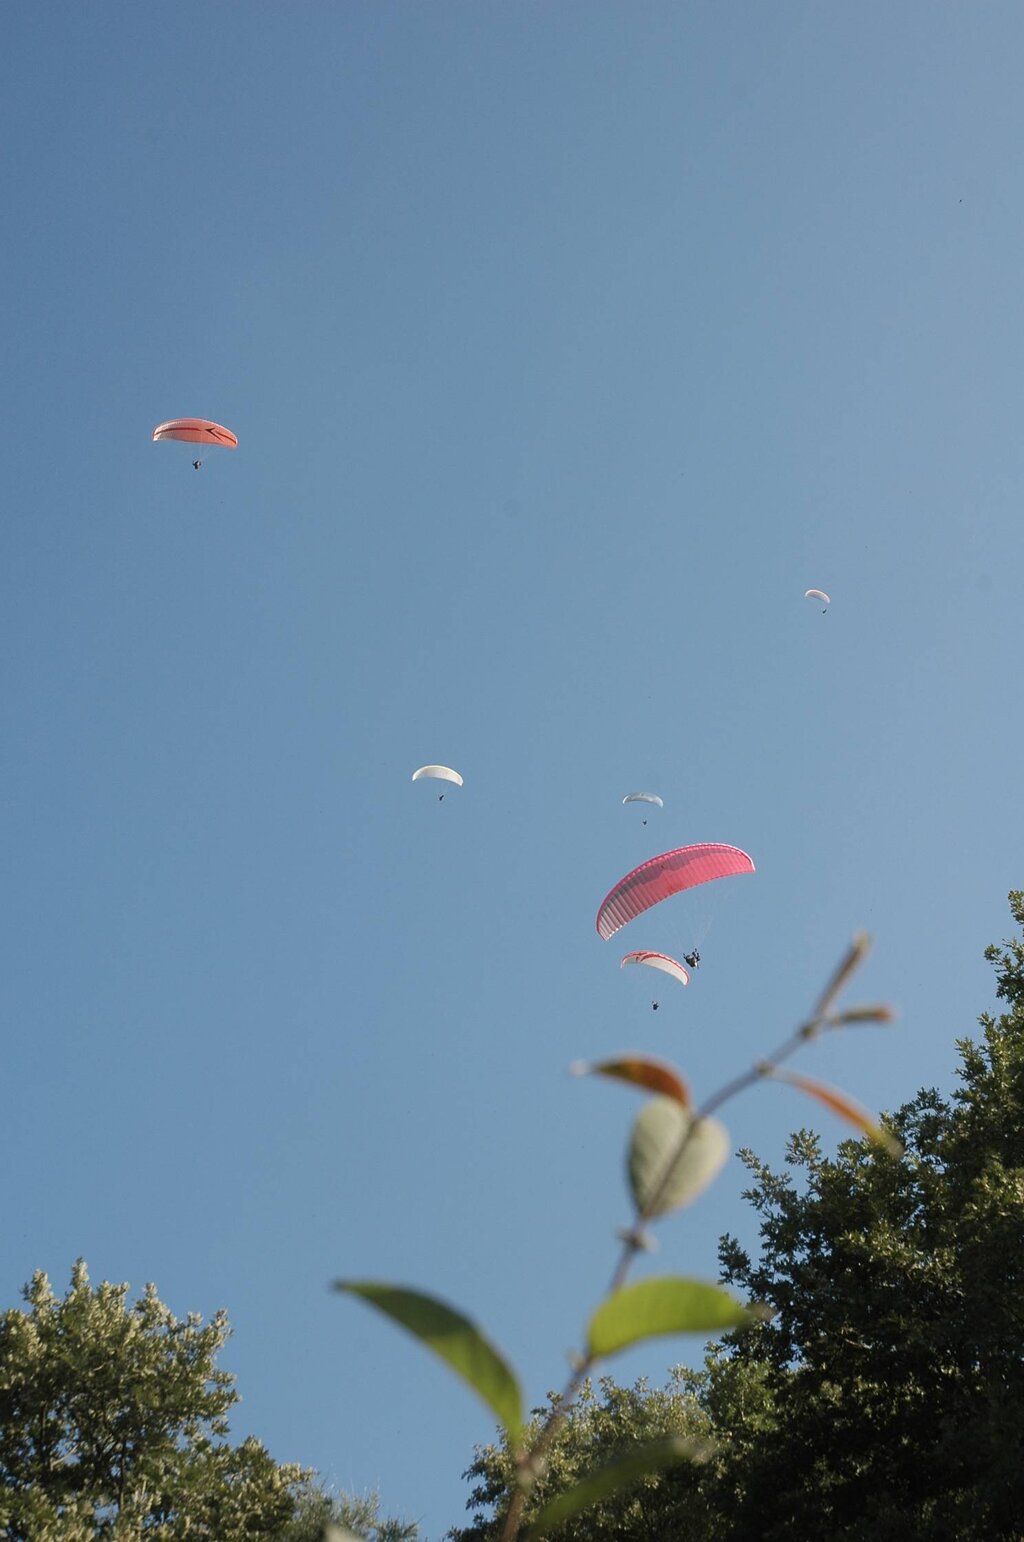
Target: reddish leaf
[(845, 1107), (639, 1071)]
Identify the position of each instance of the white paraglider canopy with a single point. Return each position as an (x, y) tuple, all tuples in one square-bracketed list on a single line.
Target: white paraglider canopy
[(658, 961), (438, 773)]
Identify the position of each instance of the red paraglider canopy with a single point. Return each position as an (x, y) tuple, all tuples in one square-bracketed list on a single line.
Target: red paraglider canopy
[(196, 431), (663, 876)]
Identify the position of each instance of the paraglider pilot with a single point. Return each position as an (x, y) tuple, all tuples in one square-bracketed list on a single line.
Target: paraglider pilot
[(693, 959), (196, 465)]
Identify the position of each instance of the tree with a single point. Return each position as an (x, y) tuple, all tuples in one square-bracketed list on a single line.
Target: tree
[(324, 1517), (896, 1356), (113, 1423), (596, 1430), (885, 1397)]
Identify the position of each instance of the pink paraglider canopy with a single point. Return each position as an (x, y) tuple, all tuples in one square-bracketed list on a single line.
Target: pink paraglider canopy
[(666, 875), (196, 431)]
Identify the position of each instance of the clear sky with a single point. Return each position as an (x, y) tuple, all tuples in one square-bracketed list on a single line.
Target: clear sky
[(567, 344)]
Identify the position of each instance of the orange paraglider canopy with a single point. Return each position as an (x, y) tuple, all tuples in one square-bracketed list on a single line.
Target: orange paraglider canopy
[(196, 431)]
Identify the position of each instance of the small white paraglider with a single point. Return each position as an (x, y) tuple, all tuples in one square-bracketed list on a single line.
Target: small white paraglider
[(660, 961), (644, 797), (439, 774)]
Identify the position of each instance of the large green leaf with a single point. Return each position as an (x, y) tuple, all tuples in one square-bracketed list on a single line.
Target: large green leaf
[(622, 1473), (663, 1173), (670, 1304), (454, 1339)]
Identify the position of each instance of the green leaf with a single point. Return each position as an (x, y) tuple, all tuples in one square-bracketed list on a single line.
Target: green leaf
[(663, 1173), (454, 1339), (671, 1304), (622, 1473)]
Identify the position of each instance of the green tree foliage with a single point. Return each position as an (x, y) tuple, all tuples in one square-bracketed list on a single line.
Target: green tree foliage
[(896, 1358), (324, 1517), (597, 1429), (885, 1398), (113, 1424)]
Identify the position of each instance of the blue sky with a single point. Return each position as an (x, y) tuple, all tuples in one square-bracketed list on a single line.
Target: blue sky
[(566, 346)]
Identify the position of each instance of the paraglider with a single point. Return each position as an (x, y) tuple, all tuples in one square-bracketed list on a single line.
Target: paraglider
[(818, 594), (644, 797), (195, 431), (665, 875), (658, 961), (438, 773)]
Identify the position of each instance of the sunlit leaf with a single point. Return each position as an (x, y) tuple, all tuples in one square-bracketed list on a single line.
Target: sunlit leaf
[(639, 1071), (844, 1106), (851, 960), (879, 1013), (621, 1474), (665, 1305), (665, 1174), (454, 1339)]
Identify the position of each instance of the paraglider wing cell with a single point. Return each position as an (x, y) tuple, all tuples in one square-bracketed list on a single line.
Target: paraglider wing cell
[(663, 876), (438, 773), (196, 431)]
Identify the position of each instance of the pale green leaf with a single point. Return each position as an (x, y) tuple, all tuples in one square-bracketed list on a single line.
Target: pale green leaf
[(670, 1304), (665, 1174), (452, 1337)]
